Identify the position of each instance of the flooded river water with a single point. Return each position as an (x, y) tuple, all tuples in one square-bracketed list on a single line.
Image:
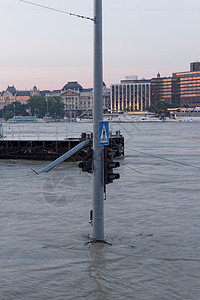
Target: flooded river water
[(152, 219)]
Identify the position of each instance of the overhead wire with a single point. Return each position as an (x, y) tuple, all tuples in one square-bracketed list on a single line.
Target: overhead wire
[(58, 10), (65, 12), (85, 111), (163, 158), (130, 168)]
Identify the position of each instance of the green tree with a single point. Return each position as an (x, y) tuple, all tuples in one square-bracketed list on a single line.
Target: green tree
[(15, 108), (19, 109), (55, 107), (160, 107), (8, 115), (37, 106)]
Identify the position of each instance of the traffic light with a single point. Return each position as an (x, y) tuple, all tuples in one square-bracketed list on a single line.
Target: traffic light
[(109, 165), (87, 160)]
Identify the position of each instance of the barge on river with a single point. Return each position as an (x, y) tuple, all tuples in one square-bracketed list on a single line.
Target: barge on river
[(45, 149)]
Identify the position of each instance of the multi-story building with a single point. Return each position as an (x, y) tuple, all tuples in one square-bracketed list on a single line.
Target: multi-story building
[(163, 89), (77, 99), (183, 88), (8, 96), (74, 96), (130, 95), (186, 86), (12, 95)]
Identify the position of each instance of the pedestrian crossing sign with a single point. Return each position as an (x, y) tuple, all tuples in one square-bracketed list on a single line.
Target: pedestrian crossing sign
[(103, 133)]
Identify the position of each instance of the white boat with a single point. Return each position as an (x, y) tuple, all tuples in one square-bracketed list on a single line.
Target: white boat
[(84, 120), (25, 119), (129, 118)]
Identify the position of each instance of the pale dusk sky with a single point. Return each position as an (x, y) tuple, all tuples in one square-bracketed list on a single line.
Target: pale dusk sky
[(47, 49)]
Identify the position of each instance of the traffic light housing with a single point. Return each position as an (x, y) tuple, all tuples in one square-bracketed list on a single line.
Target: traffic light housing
[(87, 160), (109, 165)]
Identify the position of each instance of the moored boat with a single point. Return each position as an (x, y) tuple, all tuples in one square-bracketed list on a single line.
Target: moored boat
[(25, 119)]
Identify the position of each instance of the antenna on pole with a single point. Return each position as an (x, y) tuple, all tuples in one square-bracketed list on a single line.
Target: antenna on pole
[(98, 181)]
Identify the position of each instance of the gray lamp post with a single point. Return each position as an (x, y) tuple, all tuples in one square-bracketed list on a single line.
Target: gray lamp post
[(98, 207)]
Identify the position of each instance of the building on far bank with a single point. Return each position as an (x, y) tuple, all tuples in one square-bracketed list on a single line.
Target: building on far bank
[(77, 99), (8, 96), (194, 66), (11, 95), (187, 86), (131, 94), (183, 88), (164, 89)]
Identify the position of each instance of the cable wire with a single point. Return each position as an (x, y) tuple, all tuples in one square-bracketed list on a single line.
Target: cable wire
[(130, 168), (85, 111), (166, 159), (58, 10)]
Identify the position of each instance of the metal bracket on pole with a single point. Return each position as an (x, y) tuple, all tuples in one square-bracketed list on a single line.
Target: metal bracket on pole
[(63, 157)]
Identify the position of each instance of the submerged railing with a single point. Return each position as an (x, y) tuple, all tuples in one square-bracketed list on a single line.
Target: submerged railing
[(38, 131)]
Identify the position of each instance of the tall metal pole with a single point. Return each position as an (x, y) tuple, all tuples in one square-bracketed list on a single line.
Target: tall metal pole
[(98, 209)]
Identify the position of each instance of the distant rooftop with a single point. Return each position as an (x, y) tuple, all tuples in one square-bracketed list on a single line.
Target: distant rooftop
[(56, 92), (131, 77), (12, 90), (23, 93), (86, 90), (43, 93), (72, 85)]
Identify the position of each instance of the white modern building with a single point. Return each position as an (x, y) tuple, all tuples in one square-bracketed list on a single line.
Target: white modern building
[(131, 94)]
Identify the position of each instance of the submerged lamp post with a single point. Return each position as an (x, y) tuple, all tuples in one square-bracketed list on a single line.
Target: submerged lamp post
[(98, 185)]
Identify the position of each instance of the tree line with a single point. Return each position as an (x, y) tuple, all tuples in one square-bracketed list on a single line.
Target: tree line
[(161, 107), (38, 106)]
